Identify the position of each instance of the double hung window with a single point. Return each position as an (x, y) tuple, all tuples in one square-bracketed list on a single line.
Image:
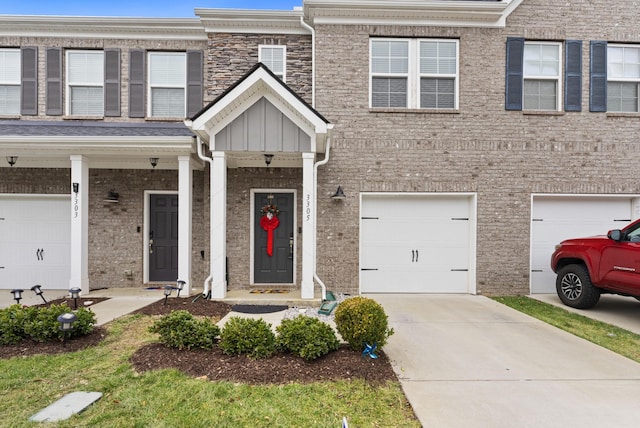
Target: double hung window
[(167, 84), (542, 71), (85, 83), (414, 73), (623, 78), (10, 72), (274, 57)]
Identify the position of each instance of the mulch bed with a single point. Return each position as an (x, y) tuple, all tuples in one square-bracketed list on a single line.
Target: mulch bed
[(213, 365)]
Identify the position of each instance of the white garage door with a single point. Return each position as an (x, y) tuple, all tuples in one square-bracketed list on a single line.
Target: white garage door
[(416, 244), (35, 241), (557, 218)]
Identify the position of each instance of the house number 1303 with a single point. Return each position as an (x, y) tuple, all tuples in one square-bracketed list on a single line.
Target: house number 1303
[(76, 208)]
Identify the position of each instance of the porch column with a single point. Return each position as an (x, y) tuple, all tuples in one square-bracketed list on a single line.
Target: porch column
[(218, 225), (79, 224), (308, 226), (185, 195)]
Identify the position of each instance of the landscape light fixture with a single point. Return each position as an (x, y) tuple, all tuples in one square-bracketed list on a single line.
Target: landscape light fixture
[(37, 289), (153, 162), (339, 195), (75, 293), (268, 159), (167, 292), (17, 295), (180, 286), (66, 321)]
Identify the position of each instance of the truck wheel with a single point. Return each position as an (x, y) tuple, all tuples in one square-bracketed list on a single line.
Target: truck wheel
[(574, 287)]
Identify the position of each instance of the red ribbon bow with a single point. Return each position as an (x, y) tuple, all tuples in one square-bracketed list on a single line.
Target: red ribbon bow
[(269, 224)]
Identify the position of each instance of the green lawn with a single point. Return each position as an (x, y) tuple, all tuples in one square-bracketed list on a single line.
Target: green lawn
[(606, 335), (167, 398)]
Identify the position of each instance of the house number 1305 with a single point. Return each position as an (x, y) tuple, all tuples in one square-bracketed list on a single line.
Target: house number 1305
[(308, 209)]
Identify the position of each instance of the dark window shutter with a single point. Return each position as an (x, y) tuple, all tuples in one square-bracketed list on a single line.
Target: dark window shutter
[(514, 73), (573, 75), (136, 83), (29, 95), (112, 82), (194, 82), (54, 82), (598, 80)]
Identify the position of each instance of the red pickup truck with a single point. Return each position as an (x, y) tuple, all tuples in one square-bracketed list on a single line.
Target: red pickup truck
[(588, 267)]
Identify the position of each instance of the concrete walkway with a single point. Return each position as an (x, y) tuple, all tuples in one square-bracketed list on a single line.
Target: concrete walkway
[(467, 361)]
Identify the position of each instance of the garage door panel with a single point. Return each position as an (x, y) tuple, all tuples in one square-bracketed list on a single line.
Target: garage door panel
[(557, 219), (35, 248), (415, 244)]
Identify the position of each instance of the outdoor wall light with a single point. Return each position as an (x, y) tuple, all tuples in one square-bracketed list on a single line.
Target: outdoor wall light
[(76, 187), (12, 160), (339, 195), (167, 292), (36, 289), (75, 293), (180, 286), (268, 159), (112, 197), (66, 321), (153, 162), (17, 295)]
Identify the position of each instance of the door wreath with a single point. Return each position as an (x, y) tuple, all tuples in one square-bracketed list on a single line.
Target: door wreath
[(269, 222)]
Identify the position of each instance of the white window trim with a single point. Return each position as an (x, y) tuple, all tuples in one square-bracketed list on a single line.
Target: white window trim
[(17, 83), (414, 75), (68, 85), (623, 79), (559, 79), (150, 87), (284, 59)]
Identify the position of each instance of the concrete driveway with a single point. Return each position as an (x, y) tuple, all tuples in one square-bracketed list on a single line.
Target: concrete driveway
[(467, 361)]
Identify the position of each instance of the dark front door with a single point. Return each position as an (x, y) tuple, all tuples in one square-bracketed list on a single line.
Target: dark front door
[(163, 237), (277, 267)]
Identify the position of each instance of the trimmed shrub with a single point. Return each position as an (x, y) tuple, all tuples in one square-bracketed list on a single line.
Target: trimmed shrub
[(247, 336), (306, 337), (40, 323), (361, 321), (182, 330), (12, 324)]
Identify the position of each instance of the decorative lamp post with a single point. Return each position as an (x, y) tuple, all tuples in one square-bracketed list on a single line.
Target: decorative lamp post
[(180, 286), (75, 293), (36, 289), (17, 295), (167, 292), (66, 321)]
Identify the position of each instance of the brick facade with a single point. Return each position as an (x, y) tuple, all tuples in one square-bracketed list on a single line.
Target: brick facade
[(503, 156)]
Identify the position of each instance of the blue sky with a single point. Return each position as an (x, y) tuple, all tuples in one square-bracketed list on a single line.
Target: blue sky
[(145, 8)]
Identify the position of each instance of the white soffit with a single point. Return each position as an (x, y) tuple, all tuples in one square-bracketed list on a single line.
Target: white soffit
[(100, 27), (458, 13), (251, 21)]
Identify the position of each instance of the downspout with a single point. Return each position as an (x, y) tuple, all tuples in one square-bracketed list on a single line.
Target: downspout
[(313, 60), (207, 281), (315, 217), (319, 163)]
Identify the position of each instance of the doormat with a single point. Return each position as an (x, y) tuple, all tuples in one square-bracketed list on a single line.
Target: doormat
[(258, 309), (269, 291)]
